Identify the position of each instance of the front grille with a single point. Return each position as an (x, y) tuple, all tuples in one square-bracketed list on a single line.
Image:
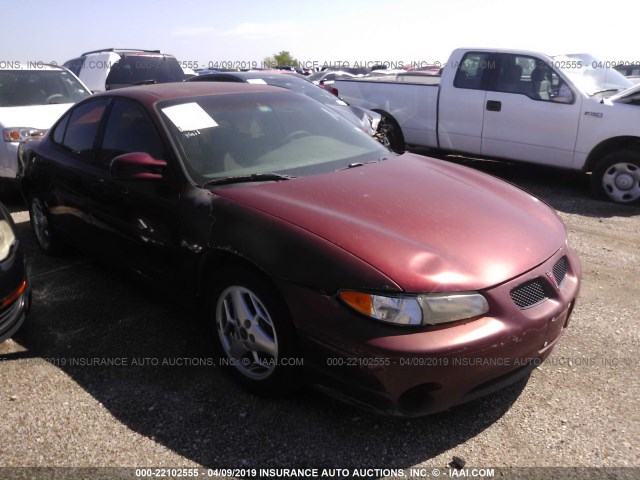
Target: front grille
[(560, 271), (529, 294)]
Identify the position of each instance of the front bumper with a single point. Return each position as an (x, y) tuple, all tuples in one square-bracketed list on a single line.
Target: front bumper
[(15, 294), (412, 372), (8, 159)]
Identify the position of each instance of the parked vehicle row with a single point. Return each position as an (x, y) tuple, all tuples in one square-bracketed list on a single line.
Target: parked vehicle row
[(303, 238), (563, 111)]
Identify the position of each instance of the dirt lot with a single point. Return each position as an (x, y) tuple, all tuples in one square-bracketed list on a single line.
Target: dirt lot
[(580, 409)]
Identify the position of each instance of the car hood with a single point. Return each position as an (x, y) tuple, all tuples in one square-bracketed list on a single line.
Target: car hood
[(428, 225), (621, 97), (34, 116)]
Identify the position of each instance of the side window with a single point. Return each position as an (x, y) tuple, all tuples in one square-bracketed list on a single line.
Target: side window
[(532, 77), (58, 133), (129, 129), (471, 70), (514, 74), (82, 128)]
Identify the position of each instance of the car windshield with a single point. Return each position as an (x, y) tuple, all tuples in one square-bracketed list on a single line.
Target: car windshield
[(254, 133), (591, 75), (301, 86), (20, 88)]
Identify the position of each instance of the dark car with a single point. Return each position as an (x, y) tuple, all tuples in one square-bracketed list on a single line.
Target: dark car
[(14, 284), (399, 282), (367, 120)]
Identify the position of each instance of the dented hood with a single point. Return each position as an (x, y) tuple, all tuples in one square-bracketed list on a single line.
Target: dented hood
[(429, 225)]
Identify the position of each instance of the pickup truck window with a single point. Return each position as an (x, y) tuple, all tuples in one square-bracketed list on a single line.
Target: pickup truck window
[(472, 69), (532, 77)]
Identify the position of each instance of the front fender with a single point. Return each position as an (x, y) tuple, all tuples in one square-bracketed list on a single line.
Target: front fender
[(282, 250)]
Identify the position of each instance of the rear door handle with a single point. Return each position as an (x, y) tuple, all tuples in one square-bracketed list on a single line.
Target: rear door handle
[(494, 105)]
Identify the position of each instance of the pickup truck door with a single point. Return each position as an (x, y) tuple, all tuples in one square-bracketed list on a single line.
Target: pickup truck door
[(530, 113), (461, 108)]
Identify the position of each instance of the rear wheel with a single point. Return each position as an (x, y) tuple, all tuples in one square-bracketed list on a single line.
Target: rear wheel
[(254, 332), (617, 177)]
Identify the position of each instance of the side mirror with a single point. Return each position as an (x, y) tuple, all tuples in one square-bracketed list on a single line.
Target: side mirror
[(137, 166)]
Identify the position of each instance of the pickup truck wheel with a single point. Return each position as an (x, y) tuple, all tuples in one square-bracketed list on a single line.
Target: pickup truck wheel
[(46, 238), (253, 332), (390, 135), (617, 177)]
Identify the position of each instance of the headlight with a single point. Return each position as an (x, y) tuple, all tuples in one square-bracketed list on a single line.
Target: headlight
[(7, 239), (375, 122), (18, 134), (428, 309)]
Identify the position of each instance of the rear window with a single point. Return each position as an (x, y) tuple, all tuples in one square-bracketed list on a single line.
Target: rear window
[(28, 87), (142, 69)]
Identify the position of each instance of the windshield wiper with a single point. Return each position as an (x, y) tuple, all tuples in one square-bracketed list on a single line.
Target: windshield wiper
[(146, 82), (254, 177), (604, 91), (360, 164)]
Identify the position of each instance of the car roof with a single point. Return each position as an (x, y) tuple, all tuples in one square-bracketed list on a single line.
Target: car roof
[(29, 66), (151, 94), (123, 51), (258, 74)]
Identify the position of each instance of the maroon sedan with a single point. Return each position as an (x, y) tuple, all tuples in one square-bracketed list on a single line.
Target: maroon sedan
[(398, 282)]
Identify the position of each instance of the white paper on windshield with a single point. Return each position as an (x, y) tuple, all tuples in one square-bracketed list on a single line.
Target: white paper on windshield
[(341, 103), (189, 117), (256, 81)]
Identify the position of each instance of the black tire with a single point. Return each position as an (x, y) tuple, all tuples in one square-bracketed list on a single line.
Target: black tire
[(240, 343), (390, 134), (46, 237), (617, 177)]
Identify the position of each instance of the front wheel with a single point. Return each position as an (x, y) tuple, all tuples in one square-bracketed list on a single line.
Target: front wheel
[(617, 177), (254, 333), (390, 134), (46, 238)]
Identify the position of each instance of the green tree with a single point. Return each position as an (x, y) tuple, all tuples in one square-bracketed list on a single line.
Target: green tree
[(281, 59)]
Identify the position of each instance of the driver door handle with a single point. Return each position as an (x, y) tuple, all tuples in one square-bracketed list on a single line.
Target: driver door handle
[(494, 105)]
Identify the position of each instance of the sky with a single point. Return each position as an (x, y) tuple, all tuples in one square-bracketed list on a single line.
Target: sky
[(206, 32)]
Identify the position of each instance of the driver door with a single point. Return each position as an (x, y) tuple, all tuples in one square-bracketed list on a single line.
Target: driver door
[(530, 113), (139, 218)]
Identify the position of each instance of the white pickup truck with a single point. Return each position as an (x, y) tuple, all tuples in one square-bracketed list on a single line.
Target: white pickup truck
[(569, 111)]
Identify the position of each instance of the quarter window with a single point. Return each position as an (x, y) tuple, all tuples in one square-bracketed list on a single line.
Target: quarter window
[(82, 128), (58, 133)]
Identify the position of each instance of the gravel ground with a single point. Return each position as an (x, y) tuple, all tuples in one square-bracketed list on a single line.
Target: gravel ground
[(580, 409)]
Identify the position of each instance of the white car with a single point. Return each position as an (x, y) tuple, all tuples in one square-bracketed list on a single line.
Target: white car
[(32, 98)]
